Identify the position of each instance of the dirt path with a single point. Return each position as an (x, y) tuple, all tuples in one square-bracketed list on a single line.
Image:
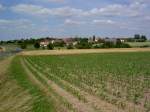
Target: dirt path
[(45, 89), (4, 65), (78, 105), (83, 51), (13, 98)]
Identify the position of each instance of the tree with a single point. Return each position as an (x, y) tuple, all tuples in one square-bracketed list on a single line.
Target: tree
[(50, 46), (37, 45), (83, 44), (143, 37), (94, 38), (23, 45), (100, 40), (136, 36), (59, 44), (70, 46), (108, 45)]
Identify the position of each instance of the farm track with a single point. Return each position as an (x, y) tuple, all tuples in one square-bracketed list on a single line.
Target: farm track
[(84, 51), (59, 107), (13, 98), (96, 101), (77, 105), (4, 64)]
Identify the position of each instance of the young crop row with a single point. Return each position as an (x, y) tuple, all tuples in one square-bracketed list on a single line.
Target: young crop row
[(58, 80), (59, 102), (114, 77)]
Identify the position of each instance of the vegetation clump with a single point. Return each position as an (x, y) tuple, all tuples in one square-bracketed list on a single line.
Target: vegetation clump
[(50, 46), (37, 45)]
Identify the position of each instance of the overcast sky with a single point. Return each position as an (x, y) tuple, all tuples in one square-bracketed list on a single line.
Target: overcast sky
[(38, 18)]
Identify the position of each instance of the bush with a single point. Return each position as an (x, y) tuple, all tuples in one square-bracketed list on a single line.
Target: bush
[(70, 46), (59, 44), (144, 46), (108, 45), (37, 45), (124, 45), (83, 45), (50, 46), (117, 45), (96, 46), (23, 46)]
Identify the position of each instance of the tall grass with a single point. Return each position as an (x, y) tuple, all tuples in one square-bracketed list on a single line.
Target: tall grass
[(40, 103)]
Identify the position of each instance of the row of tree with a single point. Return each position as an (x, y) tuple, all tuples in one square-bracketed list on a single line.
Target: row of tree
[(81, 44), (137, 38), (84, 44)]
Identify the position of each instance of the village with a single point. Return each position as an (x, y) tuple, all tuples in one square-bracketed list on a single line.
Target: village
[(88, 42), (93, 42), (74, 41)]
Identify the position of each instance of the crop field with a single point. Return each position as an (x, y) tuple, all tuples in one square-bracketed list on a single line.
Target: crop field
[(100, 82), (139, 44)]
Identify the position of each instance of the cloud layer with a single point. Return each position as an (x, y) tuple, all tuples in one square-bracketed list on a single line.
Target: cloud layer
[(53, 17), (133, 9), (1, 7)]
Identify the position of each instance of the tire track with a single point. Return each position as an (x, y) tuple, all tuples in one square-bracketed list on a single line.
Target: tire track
[(31, 76), (78, 105)]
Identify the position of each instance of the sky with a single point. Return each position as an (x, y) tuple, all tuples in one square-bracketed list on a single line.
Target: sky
[(65, 18)]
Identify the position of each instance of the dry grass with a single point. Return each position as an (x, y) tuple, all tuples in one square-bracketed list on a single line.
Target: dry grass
[(82, 51), (12, 97)]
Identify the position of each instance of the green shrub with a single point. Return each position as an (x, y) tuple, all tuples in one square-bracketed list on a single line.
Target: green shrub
[(37, 45), (23, 45), (108, 45), (83, 45), (50, 46), (96, 46), (70, 46), (144, 46)]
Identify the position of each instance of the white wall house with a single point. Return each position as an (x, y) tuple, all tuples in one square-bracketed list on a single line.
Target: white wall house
[(44, 43)]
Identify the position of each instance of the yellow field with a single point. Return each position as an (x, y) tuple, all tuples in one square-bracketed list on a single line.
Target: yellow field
[(82, 51)]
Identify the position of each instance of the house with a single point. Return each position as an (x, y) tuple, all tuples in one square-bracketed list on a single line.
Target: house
[(122, 40), (114, 40), (94, 39), (70, 41), (44, 43), (57, 41)]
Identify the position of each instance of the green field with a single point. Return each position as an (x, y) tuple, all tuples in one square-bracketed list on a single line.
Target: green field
[(139, 44), (106, 82)]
